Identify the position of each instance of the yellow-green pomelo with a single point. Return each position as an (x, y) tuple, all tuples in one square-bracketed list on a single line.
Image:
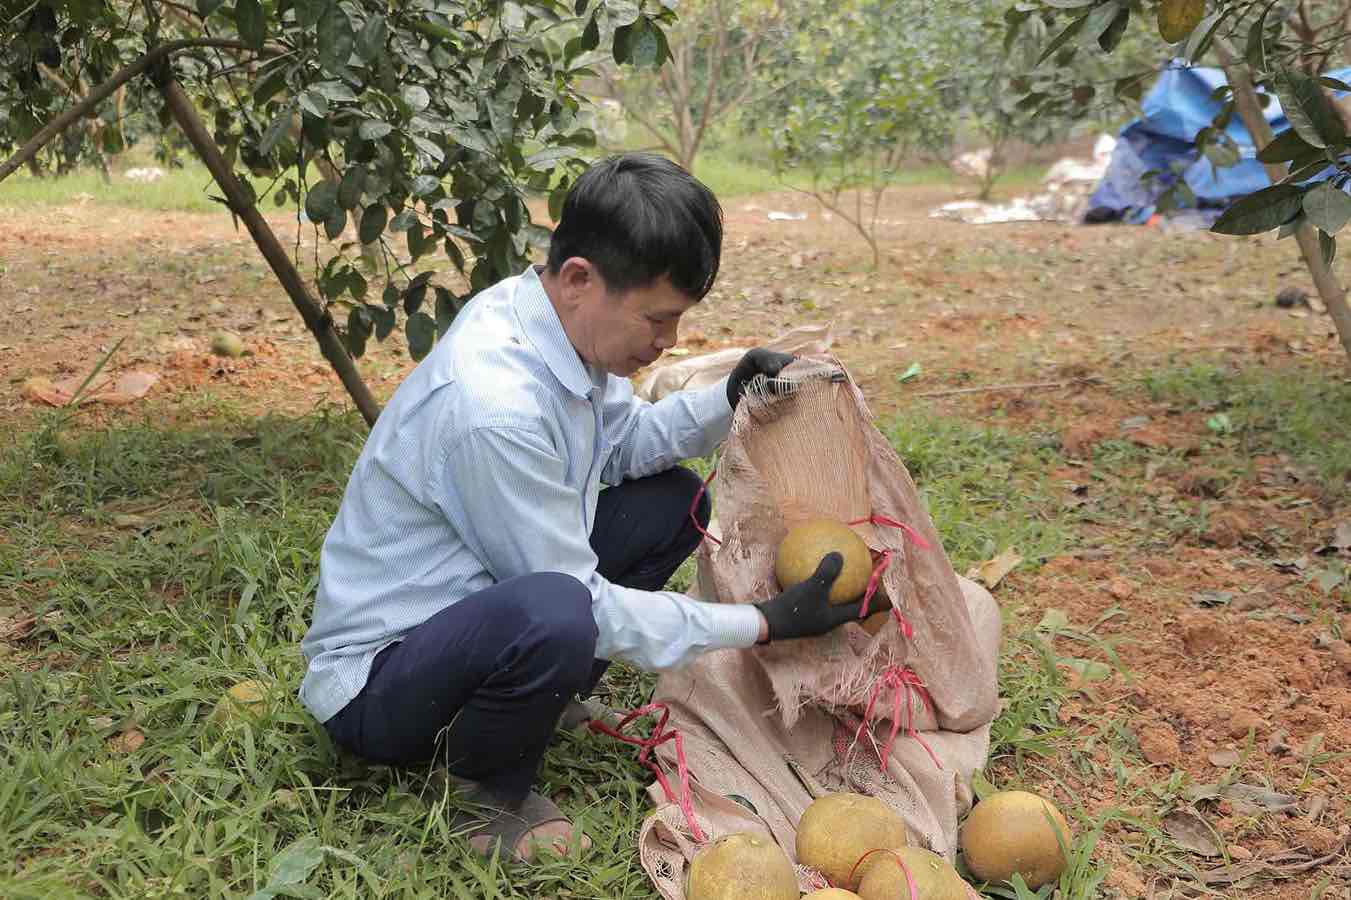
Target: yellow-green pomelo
[(742, 867), (831, 894), (247, 699), (837, 830), (933, 878), (802, 549), (1009, 832)]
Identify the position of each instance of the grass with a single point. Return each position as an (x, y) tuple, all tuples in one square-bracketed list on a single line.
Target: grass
[(1255, 411), (168, 559)]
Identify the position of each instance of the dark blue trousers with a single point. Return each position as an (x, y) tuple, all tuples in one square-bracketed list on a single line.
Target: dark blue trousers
[(481, 684)]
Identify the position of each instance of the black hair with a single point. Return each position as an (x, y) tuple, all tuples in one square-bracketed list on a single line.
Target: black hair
[(637, 217)]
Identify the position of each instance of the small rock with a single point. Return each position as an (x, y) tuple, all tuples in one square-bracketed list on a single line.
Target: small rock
[(1290, 297), (1224, 759), (1228, 529), (1341, 652), (1317, 806), (225, 343), (1121, 589), (1239, 852), (1276, 744), (1159, 745), (1242, 722)]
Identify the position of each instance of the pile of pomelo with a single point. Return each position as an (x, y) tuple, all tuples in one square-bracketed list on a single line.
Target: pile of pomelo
[(859, 844)]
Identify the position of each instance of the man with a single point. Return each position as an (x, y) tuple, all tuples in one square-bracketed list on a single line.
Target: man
[(476, 579)]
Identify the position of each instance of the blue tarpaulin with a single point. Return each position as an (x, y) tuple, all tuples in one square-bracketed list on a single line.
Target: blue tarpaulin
[(1164, 139)]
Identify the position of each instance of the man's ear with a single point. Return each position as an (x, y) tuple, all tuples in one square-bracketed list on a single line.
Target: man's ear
[(579, 276)]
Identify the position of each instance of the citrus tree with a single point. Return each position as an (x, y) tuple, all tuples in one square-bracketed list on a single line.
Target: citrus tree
[(435, 119), (1266, 47)]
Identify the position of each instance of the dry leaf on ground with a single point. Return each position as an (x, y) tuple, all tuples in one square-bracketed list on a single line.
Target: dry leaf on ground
[(993, 571)]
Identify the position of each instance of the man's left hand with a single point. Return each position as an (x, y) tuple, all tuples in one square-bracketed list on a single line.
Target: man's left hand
[(755, 363)]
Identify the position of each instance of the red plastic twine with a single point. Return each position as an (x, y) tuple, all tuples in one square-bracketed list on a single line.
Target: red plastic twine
[(902, 682), (660, 735), (694, 507), (905, 870), (884, 560)]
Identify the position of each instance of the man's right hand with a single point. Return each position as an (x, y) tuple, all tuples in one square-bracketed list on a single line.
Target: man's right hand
[(804, 609)]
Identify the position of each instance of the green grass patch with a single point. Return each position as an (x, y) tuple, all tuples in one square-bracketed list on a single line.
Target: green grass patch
[(1303, 412), (188, 188), (984, 487)]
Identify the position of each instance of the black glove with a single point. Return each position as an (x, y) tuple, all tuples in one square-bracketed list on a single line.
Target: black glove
[(804, 609), (756, 362)]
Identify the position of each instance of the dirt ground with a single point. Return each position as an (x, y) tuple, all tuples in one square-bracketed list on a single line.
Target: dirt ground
[(1258, 684)]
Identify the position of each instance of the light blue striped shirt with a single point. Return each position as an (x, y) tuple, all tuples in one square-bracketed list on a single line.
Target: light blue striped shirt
[(486, 464)]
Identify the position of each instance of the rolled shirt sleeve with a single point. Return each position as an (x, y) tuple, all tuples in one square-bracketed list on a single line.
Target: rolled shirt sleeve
[(647, 438), (513, 508)]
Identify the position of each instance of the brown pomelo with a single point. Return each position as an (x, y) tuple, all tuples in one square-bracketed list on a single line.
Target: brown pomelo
[(934, 879), (831, 894), (1008, 832), (875, 621), (742, 867), (838, 829), (801, 551)]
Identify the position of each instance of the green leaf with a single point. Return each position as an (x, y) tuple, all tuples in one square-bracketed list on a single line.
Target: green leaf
[(374, 130), (622, 12), (1287, 145), (308, 12), (425, 184), (1178, 18), (1113, 33), (335, 223), (251, 23), (1261, 211), (207, 7), (1100, 19), (445, 310), (1307, 107), (334, 91), (470, 138), (384, 320), (413, 296), (296, 863), (391, 295), (416, 96), (405, 220), (373, 220), (421, 331), (358, 330), (1328, 244), (1254, 50), (1203, 36), (909, 374), (620, 49), (591, 36), (1327, 207), (644, 48), (1291, 227), (351, 186), (545, 159), (370, 44), (276, 131), (335, 39), (321, 201), (1062, 39), (1333, 84), (314, 103), (430, 148)]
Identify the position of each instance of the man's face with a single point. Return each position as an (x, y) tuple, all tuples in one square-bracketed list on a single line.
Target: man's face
[(623, 332)]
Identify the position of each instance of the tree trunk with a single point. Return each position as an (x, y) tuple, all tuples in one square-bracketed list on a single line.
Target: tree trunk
[(1249, 109), (319, 322)]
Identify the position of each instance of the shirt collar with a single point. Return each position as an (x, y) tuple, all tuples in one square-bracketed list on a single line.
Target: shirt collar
[(539, 320)]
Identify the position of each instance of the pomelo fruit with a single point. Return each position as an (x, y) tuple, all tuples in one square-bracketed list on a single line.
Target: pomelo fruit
[(1008, 832), (742, 867), (934, 879), (801, 550), (831, 894), (838, 829), (226, 343), (875, 621)]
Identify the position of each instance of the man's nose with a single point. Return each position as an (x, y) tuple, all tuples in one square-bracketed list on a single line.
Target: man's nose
[(667, 337)]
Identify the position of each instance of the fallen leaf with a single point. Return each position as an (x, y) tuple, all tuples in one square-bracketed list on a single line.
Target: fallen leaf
[(1053, 621), (1224, 759), (909, 374), (1191, 832), (1251, 798), (993, 571), (100, 722), (1212, 599), (1317, 806), (130, 520), (1089, 669), (127, 742)]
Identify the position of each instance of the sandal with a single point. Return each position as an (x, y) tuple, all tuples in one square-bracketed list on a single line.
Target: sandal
[(486, 817)]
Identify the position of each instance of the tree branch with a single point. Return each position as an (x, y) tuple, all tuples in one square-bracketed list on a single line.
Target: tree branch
[(103, 92), (317, 319)]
